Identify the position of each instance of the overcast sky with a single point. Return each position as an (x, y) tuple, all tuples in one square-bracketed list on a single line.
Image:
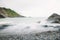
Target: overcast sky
[(33, 8)]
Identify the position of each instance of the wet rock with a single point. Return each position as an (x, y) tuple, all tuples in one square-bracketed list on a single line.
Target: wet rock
[(45, 25), (53, 35), (4, 26)]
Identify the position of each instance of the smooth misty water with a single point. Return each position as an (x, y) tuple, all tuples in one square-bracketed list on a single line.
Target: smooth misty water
[(27, 29)]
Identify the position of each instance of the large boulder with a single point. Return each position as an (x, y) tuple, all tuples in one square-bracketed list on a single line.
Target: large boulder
[(54, 18), (5, 12)]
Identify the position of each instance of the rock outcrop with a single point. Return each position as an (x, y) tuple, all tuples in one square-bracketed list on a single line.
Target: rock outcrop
[(5, 12), (54, 18)]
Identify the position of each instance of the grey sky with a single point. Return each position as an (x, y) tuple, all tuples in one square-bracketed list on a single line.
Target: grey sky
[(33, 8)]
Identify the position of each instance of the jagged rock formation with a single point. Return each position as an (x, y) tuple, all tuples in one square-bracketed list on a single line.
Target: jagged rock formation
[(54, 18), (5, 12)]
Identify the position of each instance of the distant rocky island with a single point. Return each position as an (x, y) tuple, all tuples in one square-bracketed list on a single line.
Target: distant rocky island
[(6, 12), (54, 18)]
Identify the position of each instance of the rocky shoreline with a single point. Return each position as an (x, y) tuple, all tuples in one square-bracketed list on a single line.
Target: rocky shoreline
[(50, 35)]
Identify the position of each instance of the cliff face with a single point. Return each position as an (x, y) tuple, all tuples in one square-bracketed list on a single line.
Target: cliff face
[(4, 12), (55, 18)]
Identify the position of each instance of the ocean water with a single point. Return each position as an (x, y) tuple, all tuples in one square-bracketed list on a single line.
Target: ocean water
[(17, 27)]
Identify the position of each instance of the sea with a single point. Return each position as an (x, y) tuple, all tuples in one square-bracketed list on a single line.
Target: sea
[(25, 28)]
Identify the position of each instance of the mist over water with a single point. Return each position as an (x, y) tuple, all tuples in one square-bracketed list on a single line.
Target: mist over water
[(25, 27)]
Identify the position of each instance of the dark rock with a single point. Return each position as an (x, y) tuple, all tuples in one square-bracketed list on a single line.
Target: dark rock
[(1, 16), (4, 26), (54, 18), (55, 22), (45, 25)]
